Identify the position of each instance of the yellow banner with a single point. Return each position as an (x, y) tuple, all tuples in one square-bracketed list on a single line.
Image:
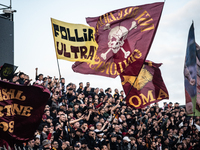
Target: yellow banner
[(74, 42)]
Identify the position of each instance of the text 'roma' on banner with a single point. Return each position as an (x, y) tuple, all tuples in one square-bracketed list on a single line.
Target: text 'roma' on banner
[(124, 37), (74, 42), (148, 86), (21, 110)]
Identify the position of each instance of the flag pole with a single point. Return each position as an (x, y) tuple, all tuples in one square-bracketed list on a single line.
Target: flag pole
[(58, 68), (55, 51)]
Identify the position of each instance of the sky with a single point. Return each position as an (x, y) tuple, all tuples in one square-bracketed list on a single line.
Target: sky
[(34, 45)]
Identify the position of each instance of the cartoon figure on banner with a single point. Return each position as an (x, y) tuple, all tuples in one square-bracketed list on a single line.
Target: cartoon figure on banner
[(116, 38), (188, 72)]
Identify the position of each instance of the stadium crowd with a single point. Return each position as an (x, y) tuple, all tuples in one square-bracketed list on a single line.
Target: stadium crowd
[(86, 118)]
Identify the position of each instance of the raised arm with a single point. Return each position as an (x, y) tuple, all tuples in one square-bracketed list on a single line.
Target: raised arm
[(74, 121)]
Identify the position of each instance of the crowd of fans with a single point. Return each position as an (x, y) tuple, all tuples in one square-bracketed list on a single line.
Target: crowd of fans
[(85, 118)]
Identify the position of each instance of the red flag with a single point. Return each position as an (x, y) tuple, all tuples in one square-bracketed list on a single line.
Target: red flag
[(124, 37), (21, 110), (148, 88)]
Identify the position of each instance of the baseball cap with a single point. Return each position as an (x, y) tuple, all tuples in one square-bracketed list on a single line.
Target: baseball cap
[(126, 138), (45, 142), (76, 145)]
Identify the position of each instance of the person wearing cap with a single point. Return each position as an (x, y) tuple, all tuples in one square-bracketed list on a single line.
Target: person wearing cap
[(90, 98), (37, 144), (77, 146), (46, 144), (126, 143), (101, 139)]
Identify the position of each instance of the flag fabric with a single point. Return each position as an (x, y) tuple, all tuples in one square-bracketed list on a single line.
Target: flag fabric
[(21, 110), (148, 86), (198, 80), (74, 42), (124, 37), (192, 75), (7, 71)]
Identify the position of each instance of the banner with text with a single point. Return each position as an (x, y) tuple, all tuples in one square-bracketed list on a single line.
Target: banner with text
[(74, 42), (148, 86), (124, 38), (21, 110)]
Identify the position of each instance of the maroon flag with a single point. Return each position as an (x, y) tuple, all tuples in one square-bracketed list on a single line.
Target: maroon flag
[(21, 110), (124, 37), (148, 86)]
